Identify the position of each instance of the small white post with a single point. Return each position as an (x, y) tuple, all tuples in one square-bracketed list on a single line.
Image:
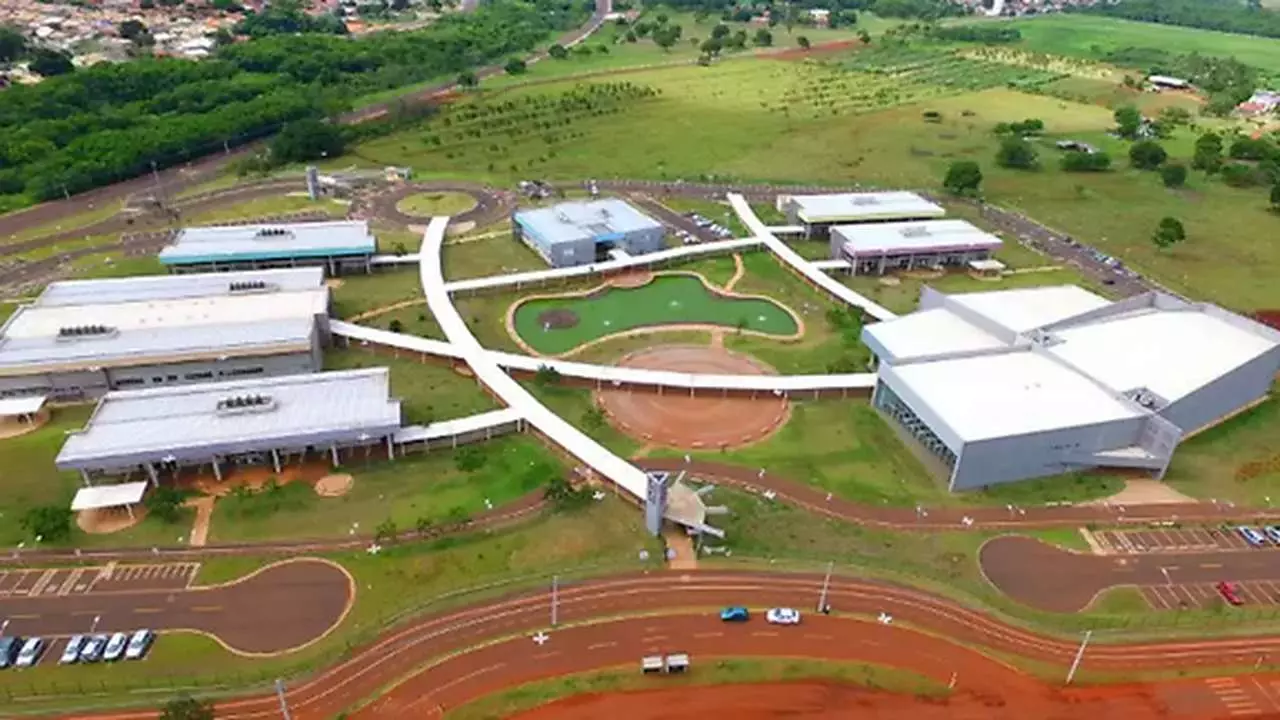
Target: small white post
[(1079, 656), (284, 705), (826, 583), (555, 598)]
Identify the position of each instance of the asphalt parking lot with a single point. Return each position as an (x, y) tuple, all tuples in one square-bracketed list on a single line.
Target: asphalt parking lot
[(1173, 539), (1186, 596), (57, 582)]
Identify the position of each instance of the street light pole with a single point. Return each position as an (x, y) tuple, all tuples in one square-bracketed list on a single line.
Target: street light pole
[(284, 705), (1079, 656), (826, 583), (555, 598)]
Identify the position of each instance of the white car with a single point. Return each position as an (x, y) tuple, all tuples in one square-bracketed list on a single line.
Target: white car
[(783, 616), (30, 653), (115, 647)]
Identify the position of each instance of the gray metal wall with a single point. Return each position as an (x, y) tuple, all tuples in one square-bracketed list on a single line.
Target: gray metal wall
[(336, 265), (1023, 457), (640, 242), (575, 252), (1227, 394), (89, 385)]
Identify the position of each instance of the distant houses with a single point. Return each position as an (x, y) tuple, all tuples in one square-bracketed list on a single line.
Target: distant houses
[(1166, 82), (1261, 102)]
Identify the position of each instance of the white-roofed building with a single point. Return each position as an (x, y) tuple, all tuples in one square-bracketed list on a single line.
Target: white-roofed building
[(275, 421), (340, 246), (818, 213), (582, 233), (877, 248), (1017, 384), (82, 338)]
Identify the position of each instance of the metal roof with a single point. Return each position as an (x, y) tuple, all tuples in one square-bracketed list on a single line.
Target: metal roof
[(169, 318), (574, 221), (10, 407), (190, 422), (897, 205), (174, 287), (108, 496), (925, 236), (232, 243)]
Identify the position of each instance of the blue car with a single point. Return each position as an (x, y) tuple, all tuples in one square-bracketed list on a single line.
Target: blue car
[(1251, 536), (735, 614), (1273, 533)]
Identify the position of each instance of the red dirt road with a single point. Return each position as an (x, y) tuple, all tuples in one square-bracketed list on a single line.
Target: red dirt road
[(500, 661), (675, 420)]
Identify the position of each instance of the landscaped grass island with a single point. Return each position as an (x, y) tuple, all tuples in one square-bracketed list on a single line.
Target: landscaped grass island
[(555, 325)]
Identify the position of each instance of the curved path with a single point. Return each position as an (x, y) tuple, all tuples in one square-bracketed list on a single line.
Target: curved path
[(278, 609), (414, 655), (1050, 578)]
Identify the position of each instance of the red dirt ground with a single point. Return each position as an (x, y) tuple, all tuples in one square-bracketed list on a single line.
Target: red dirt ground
[(828, 48), (674, 419), (1268, 317)]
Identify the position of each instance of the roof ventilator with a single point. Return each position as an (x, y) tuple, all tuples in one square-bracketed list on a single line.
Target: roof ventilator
[(244, 404)]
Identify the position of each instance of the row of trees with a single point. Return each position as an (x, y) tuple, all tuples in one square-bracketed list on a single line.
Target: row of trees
[(112, 121), (1248, 18), (1225, 80)]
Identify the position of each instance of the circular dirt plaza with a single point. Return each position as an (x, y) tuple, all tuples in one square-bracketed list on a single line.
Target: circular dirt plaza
[(674, 419)]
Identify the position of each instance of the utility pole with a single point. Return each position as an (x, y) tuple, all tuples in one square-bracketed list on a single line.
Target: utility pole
[(284, 705), (555, 598), (1079, 656), (826, 583)]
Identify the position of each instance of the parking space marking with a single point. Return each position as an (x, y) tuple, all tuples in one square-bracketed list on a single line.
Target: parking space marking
[(1154, 598)]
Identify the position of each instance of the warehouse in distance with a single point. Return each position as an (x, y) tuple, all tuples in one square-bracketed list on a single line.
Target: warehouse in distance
[(817, 214)]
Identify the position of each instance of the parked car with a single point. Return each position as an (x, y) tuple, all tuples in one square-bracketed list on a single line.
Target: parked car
[(115, 647), (71, 652), (1228, 592), (139, 644), (783, 616), (736, 613), (92, 650), (30, 653), (9, 647), (1251, 536), (1273, 533)]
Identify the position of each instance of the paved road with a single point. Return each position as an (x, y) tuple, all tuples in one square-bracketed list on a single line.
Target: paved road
[(282, 607), (1047, 577), (403, 653)]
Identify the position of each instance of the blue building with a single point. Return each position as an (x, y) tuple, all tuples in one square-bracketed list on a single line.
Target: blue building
[(581, 233)]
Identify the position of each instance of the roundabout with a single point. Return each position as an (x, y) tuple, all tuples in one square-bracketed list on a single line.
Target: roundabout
[(687, 422)]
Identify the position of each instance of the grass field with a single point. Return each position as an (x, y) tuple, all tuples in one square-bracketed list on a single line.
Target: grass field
[(275, 205), (1088, 36), (845, 447), (668, 299), (839, 126), (417, 488), (429, 392), (401, 581), (1237, 460), (500, 255), (361, 293), (721, 671), (430, 204)]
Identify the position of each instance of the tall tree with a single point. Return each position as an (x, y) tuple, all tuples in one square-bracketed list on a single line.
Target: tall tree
[(1147, 155), (1128, 120), (803, 42), (964, 177), (1016, 153), (1168, 233), (12, 43), (1208, 153), (307, 139), (763, 38), (1174, 175), (47, 62)]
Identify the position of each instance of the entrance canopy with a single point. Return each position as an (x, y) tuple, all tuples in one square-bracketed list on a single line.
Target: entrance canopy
[(19, 406), (107, 496)]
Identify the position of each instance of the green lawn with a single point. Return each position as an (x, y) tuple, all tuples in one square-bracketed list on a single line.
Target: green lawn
[(429, 391), (1088, 36), (717, 211), (722, 671), (361, 293), (413, 319), (400, 582), (576, 406), (424, 487), (501, 255), (608, 351), (115, 264), (820, 348), (430, 204), (668, 299), (1238, 460)]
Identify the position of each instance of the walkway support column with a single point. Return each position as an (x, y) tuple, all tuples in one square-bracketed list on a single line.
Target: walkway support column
[(333, 453), (275, 460), (84, 476), (217, 471), (151, 473), (391, 447)]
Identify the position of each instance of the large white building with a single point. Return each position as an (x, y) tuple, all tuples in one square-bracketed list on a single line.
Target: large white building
[(818, 213), (1016, 384), (82, 338)]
